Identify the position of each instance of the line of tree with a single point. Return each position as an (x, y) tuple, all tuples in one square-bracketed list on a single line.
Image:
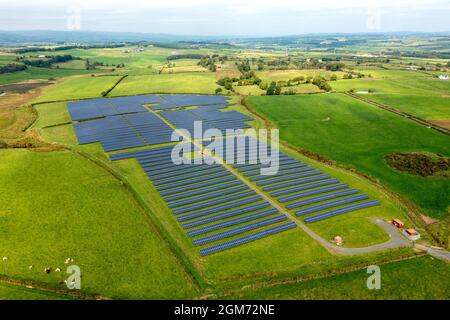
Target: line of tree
[(46, 63), (68, 47), (185, 56), (12, 67)]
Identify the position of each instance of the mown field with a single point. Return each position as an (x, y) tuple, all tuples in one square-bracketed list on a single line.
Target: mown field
[(360, 136), (33, 73), (192, 82), (425, 107), (423, 278), (58, 205), (78, 87)]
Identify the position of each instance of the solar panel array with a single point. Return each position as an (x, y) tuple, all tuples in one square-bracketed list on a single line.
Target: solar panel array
[(170, 101), (211, 116), (98, 108), (217, 210), (102, 107), (124, 122), (124, 131), (298, 185)]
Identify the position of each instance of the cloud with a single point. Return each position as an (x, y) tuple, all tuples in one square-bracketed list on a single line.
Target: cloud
[(230, 16)]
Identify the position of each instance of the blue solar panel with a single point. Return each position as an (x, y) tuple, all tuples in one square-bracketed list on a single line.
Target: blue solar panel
[(296, 182), (224, 215), (191, 182), (330, 196), (282, 173), (304, 187), (288, 177), (209, 203), (196, 185), (312, 192), (185, 169), (351, 208), (232, 222), (191, 193), (246, 239), (207, 196), (331, 204), (239, 230), (205, 212)]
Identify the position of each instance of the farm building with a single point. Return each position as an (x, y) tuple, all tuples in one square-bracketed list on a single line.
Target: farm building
[(411, 234), (398, 223)]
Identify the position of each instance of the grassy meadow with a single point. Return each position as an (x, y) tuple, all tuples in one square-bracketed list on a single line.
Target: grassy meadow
[(78, 87), (70, 208), (192, 82), (423, 278), (360, 136)]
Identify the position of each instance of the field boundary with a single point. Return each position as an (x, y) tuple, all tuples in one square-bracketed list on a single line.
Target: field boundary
[(105, 93), (26, 284), (401, 113)]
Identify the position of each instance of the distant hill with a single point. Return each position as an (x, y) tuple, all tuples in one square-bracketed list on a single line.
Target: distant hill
[(46, 36), (43, 36)]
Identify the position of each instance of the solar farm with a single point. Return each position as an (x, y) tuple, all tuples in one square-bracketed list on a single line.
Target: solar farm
[(217, 209), (140, 163)]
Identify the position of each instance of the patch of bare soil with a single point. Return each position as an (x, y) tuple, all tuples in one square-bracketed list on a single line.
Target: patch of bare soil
[(23, 87), (16, 116), (427, 220), (419, 164), (442, 123)]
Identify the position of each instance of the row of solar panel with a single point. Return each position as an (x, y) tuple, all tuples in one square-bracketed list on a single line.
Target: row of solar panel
[(124, 131), (211, 117), (295, 180), (103, 107), (186, 100), (98, 108), (246, 239), (208, 200)]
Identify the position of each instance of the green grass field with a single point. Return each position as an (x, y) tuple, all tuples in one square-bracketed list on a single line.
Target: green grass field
[(360, 135), (426, 107), (58, 205), (423, 278), (33, 73), (194, 82), (394, 82), (78, 87)]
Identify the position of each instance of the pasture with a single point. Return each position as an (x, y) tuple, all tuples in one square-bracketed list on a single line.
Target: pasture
[(191, 82), (86, 215), (429, 278), (425, 107), (78, 87), (360, 136)]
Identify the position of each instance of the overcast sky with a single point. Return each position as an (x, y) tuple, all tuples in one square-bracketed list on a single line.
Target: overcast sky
[(227, 17)]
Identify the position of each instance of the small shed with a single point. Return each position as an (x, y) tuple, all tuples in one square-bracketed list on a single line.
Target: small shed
[(398, 223), (411, 234)]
